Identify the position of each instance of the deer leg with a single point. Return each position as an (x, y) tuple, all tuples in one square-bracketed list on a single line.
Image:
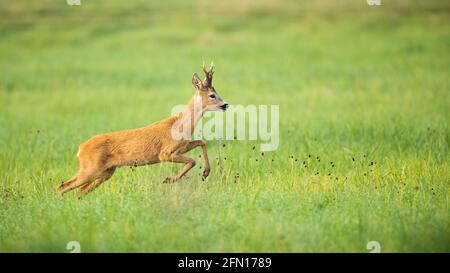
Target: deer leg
[(202, 144), (67, 183), (88, 187), (180, 159), (81, 178)]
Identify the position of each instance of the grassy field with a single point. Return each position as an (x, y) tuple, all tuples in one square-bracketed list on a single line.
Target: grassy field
[(366, 88)]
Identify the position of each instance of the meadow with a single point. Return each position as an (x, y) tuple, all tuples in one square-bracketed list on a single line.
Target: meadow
[(364, 105)]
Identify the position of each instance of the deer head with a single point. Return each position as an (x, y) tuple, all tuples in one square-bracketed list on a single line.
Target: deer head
[(210, 100)]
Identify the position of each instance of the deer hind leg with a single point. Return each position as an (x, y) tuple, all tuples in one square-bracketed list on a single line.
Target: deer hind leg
[(67, 183), (88, 187), (190, 163), (72, 184), (80, 179)]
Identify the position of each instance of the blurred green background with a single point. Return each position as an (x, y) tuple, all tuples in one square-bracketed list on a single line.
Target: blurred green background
[(365, 87)]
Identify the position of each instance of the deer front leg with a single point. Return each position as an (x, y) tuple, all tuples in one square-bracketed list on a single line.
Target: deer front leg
[(207, 169), (177, 158), (194, 144)]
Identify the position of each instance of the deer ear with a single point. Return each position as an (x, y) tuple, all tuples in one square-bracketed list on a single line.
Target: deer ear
[(196, 82)]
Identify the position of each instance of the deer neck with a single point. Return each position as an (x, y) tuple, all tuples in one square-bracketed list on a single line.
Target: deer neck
[(191, 115)]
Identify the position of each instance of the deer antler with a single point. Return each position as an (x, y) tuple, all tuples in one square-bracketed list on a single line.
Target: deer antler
[(207, 82)]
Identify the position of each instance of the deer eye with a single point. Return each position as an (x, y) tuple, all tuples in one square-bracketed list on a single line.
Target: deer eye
[(212, 96)]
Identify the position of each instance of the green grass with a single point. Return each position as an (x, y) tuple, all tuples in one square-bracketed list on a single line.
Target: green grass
[(352, 81)]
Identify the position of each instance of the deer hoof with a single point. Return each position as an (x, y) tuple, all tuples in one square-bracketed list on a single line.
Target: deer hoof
[(169, 180), (205, 174)]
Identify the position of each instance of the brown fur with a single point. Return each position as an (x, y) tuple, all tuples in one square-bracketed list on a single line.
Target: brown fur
[(102, 154)]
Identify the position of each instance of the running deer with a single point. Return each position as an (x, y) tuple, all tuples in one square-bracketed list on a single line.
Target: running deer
[(162, 141)]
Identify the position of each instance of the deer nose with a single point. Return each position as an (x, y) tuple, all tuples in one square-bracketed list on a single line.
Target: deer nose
[(224, 106)]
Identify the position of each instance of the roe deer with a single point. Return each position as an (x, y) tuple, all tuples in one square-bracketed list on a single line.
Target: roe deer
[(102, 154)]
